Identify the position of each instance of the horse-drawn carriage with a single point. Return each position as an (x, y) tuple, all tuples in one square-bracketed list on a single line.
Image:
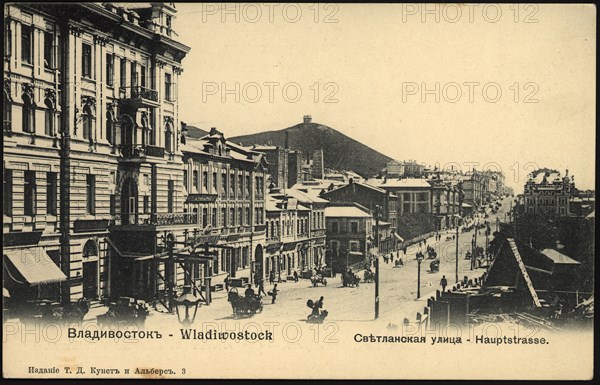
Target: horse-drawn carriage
[(125, 309), (244, 306), (350, 279), (434, 266), (368, 276), (318, 278), (398, 263)]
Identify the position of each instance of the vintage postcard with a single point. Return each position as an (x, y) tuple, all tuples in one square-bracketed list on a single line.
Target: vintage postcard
[(298, 191)]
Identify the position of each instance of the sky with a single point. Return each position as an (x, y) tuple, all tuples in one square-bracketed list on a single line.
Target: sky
[(491, 86)]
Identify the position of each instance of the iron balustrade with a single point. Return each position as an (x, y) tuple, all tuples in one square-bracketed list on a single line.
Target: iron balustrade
[(138, 92), (141, 151), (166, 219)]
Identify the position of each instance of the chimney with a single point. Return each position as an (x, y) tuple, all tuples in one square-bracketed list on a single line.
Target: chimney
[(213, 130), (307, 119)]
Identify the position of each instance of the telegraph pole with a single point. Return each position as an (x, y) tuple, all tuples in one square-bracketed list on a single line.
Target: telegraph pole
[(377, 262), (460, 202)]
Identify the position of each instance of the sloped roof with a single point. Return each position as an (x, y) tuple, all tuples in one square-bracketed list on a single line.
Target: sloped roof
[(346, 211), (400, 183), (559, 258)]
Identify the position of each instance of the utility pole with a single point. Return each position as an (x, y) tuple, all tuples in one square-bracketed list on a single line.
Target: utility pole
[(460, 202), (67, 117), (377, 262)]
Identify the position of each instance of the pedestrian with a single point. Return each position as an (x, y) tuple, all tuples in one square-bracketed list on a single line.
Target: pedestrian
[(226, 282), (249, 293), (392, 257), (271, 277), (444, 283), (274, 294), (295, 276), (404, 250), (419, 244), (261, 287)]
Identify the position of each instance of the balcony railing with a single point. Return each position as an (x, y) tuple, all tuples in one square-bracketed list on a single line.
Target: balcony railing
[(167, 219), (138, 92), (139, 151)]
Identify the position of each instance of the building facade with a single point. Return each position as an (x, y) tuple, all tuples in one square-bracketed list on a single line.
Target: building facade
[(548, 193), (91, 135), (224, 184), (349, 235)]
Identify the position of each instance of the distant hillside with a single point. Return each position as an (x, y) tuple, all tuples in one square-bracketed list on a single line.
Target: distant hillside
[(195, 132), (341, 152)]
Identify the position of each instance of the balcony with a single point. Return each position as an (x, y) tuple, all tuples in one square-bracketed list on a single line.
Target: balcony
[(140, 153), (156, 220), (138, 96)]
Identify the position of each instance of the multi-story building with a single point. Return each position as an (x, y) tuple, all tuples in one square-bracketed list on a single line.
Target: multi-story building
[(349, 235), (224, 185), (547, 192), (277, 159), (295, 233), (408, 169), (475, 187), (92, 155), (369, 197)]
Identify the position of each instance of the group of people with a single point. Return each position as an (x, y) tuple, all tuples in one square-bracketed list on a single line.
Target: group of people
[(249, 293)]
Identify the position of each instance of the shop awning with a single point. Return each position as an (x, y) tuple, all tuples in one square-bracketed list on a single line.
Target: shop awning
[(35, 265), (399, 237)]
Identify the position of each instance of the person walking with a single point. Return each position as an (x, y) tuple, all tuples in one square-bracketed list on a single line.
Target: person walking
[(226, 282), (274, 294), (444, 283), (261, 287), (271, 277), (295, 276)]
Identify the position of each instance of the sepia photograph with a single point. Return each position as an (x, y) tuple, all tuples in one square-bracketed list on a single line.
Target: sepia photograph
[(298, 191)]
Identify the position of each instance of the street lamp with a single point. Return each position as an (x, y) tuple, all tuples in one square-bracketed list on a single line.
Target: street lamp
[(184, 304), (420, 258)]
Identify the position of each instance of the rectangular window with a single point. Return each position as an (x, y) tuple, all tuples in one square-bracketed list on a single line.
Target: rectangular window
[(91, 194), (335, 228), (239, 218), (354, 227), (26, 44), (49, 121), (48, 50), (171, 195), (232, 217), (185, 179), (168, 90), (213, 219), (143, 76), (7, 192), (146, 204), (214, 183), (240, 185), (224, 217), (232, 185), (247, 216), (123, 72), (204, 217), (224, 183), (247, 185), (110, 70), (353, 246), (195, 180), (205, 181), (113, 204), (30, 193), (133, 74), (51, 192), (86, 60)]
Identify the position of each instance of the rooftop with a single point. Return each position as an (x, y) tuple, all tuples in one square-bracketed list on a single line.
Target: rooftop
[(400, 183), (345, 212)]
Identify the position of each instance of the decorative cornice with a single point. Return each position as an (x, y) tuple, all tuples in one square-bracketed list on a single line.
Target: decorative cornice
[(75, 31), (101, 40)]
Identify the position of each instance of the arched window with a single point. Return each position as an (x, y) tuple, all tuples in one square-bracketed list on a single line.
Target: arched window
[(49, 117), (28, 118), (90, 249), (89, 122)]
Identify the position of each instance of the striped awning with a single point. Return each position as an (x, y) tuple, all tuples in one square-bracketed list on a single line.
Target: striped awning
[(35, 266)]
